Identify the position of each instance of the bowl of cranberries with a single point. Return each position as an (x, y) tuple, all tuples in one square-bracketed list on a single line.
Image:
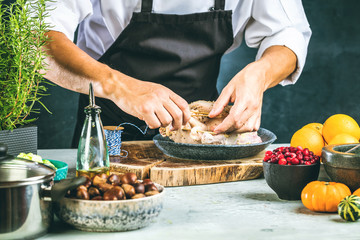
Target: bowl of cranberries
[(287, 170)]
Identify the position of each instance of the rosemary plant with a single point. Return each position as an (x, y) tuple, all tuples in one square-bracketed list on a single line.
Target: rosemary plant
[(22, 61)]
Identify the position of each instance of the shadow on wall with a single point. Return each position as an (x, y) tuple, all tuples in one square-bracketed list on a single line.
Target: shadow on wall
[(328, 85)]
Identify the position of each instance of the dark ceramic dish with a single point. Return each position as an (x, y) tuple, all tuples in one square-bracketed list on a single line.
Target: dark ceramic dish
[(213, 152), (342, 167), (289, 180)]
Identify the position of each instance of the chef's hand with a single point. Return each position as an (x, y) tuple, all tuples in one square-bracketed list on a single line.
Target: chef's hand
[(72, 68), (246, 89), (153, 103)]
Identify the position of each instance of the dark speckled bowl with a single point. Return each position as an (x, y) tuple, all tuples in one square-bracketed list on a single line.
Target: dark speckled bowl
[(289, 180), (342, 167), (213, 152)]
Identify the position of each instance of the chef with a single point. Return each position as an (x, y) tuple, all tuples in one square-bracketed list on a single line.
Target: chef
[(147, 59)]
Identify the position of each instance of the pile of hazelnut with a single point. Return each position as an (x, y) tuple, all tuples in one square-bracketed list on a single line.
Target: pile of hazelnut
[(114, 187)]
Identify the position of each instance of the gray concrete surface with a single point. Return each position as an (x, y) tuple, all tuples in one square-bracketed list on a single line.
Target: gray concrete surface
[(236, 210)]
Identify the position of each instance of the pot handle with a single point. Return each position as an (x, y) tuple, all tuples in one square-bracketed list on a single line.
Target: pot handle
[(59, 190), (3, 152)]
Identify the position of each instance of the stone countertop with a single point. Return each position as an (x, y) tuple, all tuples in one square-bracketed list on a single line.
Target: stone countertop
[(236, 210)]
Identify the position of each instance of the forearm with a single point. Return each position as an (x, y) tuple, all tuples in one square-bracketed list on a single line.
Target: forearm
[(73, 69), (278, 62)]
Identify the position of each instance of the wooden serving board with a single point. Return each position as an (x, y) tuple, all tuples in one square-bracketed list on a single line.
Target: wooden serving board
[(147, 161)]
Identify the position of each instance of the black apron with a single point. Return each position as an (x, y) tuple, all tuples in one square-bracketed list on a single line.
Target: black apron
[(181, 52)]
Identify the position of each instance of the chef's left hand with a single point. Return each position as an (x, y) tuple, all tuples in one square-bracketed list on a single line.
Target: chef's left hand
[(245, 90)]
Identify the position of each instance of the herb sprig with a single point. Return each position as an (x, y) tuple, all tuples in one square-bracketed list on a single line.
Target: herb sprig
[(22, 60)]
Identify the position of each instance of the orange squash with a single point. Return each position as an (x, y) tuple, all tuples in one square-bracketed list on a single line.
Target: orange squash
[(320, 196), (357, 192)]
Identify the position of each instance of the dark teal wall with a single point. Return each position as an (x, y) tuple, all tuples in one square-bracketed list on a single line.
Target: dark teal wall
[(328, 85)]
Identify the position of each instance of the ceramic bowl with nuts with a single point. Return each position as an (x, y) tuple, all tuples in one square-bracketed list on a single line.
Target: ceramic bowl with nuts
[(112, 203)]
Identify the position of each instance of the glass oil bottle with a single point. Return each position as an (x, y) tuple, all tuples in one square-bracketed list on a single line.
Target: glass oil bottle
[(92, 155)]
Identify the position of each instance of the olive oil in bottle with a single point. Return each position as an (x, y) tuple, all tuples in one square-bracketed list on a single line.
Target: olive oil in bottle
[(92, 155), (93, 172)]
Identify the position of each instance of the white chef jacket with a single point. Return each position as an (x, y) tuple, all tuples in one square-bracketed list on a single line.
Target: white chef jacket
[(262, 23)]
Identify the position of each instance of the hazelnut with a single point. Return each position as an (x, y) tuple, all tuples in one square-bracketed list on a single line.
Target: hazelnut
[(139, 195), (119, 192), (150, 187), (103, 187), (114, 179), (97, 198), (139, 187), (128, 178), (147, 181), (82, 193), (98, 180), (103, 175), (93, 191), (129, 190), (151, 193), (109, 195), (82, 187)]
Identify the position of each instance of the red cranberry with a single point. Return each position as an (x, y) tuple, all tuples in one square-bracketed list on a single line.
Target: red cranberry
[(295, 161), (300, 148), (282, 161), (306, 152), (299, 156), (306, 158), (307, 163), (268, 153)]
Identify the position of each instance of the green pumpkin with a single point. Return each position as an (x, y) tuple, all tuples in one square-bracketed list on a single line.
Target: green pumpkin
[(349, 208)]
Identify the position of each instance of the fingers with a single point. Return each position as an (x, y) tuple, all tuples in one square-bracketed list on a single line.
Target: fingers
[(173, 111), (176, 115), (183, 106), (241, 120), (235, 120), (222, 101)]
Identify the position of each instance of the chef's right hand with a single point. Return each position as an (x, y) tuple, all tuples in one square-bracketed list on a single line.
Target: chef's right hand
[(153, 103)]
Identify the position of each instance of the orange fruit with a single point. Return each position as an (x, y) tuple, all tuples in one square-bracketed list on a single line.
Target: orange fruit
[(357, 192), (308, 138), (317, 126), (343, 138), (340, 123)]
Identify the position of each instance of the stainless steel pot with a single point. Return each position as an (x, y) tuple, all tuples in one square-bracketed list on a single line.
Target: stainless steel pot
[(26, 195)]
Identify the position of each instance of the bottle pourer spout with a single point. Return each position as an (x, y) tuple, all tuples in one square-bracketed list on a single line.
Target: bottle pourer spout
[(91, 95)]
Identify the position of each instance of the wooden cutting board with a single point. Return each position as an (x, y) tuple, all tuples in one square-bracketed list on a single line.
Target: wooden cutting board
[(147, 161)]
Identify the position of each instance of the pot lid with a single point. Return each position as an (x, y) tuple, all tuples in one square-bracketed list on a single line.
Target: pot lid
[(18, 172)]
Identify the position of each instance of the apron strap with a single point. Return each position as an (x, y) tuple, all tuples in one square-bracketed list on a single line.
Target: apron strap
[(219, 4), (146, 6)]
